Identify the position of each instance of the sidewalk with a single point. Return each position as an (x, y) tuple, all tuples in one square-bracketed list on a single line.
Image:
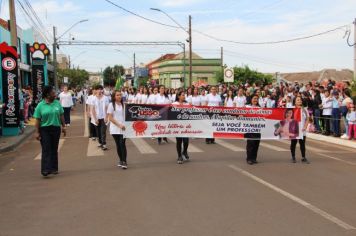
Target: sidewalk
[(10, 143), (333, 140)]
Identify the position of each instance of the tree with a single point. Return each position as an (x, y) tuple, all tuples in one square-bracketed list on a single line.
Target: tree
[(112, 73), (244, 75), (76, 77), (142, 81)]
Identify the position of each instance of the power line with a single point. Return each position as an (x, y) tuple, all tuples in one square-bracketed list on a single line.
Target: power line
[(261, 61), (348, 39), (34, 24), (142, 17), (35, 15), (273, 42), (231, 41)]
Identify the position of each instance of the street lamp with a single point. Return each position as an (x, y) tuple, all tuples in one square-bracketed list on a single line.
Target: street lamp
[(189, 40), (55, 46)]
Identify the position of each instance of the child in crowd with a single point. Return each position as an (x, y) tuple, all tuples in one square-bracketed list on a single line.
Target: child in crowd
[(351, 119)]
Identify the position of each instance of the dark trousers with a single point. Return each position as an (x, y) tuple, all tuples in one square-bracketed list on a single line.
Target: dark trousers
[(49, 141), (293, 145), (316, 119), (67, 114), (121, 150), (210, 140), (252, 149), (92, 130), (185, 142), (322, 120), (101, 131), (327, 123), (336, 120)]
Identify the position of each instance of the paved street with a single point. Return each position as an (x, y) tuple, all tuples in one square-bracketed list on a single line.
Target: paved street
[(216, 193)]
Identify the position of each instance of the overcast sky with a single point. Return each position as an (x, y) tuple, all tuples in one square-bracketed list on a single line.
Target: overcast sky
[(236, 20)]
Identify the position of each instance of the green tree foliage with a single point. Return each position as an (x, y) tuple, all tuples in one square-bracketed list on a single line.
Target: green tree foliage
[(244, 75), (143, 81), (112, 73), (76, 77)]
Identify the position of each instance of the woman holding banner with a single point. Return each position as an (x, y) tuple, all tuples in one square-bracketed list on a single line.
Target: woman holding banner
[(213, 100), (117, 126), (253, 139), (304, 123), (180, 100), (162, 98)]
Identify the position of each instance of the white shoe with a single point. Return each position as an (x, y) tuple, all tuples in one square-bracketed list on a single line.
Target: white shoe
[(345, 136)]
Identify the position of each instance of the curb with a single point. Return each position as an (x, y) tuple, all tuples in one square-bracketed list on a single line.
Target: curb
[(338, 141), (21, 139)]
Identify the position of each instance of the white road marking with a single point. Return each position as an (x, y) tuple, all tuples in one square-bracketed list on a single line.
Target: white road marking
[(230, 146), (272, 147), (60, 145), (191, 147), (296, 199), (337, 159), (143, 146), (94, 150)]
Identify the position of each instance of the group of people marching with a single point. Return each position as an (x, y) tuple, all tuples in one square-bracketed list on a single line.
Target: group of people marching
[(104, 108)]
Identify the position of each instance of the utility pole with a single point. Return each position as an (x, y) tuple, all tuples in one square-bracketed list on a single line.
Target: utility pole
[(55, 58), (134, 70), (13, 25), (190, 52), (184, 67), (13, 33), (69, 62), (222, 62), (355, 49)]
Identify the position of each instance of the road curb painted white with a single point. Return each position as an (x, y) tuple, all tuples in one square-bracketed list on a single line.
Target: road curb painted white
[(333, 140)]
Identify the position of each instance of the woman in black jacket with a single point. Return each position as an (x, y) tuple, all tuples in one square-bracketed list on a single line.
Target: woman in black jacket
[(253, 139), (317, 104)]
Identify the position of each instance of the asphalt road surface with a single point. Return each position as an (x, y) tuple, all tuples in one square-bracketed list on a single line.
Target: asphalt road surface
[(216, 193)]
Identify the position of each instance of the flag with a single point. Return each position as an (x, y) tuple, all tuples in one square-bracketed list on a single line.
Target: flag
[(118, 83)]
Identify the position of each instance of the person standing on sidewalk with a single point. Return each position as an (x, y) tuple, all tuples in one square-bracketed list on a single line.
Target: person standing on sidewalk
[(49, 118), (351, 119), (117, 126), (100, 106), (317, 104), (327, 110), (304, 124), (336, 114), (65, 98), (346, 102)]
